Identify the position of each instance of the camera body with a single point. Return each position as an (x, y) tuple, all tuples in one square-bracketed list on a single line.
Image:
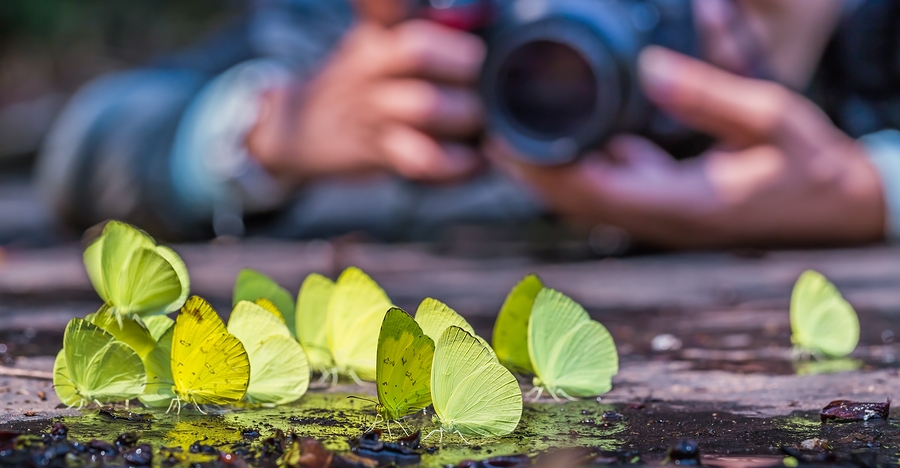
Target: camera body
[(560, 75)]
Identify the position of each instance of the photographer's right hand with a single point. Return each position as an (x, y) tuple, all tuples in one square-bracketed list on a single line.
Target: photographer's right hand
[(395, 98)]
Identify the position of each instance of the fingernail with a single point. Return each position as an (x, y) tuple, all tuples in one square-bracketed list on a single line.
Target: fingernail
[(657, 68)]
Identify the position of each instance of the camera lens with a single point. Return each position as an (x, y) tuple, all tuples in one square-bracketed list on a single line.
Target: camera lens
[(547, 88)]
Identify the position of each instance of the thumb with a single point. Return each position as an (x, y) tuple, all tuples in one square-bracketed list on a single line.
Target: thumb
[(383, 12), (738, 110)]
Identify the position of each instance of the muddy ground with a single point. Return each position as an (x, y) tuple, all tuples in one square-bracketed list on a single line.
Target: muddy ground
[(704, 340)]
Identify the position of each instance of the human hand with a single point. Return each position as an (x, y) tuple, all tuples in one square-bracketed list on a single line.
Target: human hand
[(781, 175), (396, 98)]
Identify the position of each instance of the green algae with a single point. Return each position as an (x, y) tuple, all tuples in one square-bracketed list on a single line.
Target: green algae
[(335, 419)]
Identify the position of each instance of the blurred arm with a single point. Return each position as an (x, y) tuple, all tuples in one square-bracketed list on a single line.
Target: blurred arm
[(135, 145)]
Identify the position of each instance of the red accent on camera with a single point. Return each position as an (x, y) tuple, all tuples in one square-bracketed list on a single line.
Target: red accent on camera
[(467, 18)]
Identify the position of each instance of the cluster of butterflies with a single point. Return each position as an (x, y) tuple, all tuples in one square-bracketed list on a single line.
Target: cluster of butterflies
[(271, 345)]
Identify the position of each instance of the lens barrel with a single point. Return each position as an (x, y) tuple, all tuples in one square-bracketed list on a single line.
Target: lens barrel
[(560, 74)]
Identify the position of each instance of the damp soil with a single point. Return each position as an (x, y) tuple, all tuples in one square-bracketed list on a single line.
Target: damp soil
[(641, 432)]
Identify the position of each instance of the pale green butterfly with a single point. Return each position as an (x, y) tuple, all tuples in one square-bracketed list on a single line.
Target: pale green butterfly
[(134, 275), (251, 285), (822, 322), (511, 327), (311, 321), (279, 370), (403, 370), (131, 331), (472, 393), (94, 367), (434, 317), (572, 355), (158, 363)]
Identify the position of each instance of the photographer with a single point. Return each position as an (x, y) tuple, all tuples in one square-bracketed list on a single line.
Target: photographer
[(302, 93)]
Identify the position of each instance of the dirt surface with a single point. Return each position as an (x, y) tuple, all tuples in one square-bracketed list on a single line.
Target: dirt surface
[(704, 339)]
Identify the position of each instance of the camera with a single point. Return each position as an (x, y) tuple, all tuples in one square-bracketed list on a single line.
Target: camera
[(560, 75)]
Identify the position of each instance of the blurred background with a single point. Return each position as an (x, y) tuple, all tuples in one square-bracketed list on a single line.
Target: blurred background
[(48, 49)]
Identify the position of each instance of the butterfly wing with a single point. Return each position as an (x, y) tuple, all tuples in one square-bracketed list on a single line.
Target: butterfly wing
[(510, 340), (252, 285), (279, 370), (569, 351), (821, 320), (128, 331), (403, 369), (62, 381), (157, 325), (251, 321), (98, 366), (472, 393), (93, 256), (209, 365), (434, 317), (311, 318), (158, 364), (279, 367), (355, 313), (181, 272)]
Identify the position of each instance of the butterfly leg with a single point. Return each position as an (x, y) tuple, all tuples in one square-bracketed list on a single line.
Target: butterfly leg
[(126, 404), (554, 395), (400, 423), (463, 438), (97, 402), (539, 391), (334, 378), (431, 433), (355, 377), (567, 396), (197, 407), (388, 423)]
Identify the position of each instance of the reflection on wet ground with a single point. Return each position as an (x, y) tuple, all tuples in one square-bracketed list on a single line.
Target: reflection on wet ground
[(644, 431)]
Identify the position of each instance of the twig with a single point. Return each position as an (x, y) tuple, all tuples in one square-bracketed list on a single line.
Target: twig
[(28, 374)]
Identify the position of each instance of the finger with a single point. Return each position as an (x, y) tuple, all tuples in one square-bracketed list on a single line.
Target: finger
[(383, 12), (441, 111), (428, 50), (632, 150), (739, 110), (415, 155)]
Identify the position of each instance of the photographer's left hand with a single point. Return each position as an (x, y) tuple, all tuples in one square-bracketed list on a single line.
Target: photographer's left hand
[(782, 174)]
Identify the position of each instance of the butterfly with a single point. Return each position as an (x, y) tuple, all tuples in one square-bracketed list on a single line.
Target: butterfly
[(95, 367), (134, 275), (572, 355), (511, 327), (130, 331), (311, 319), (279, 370), (355, 312), (159, 392), (822, 322), (472, 393), (252, 285), (403, 370), (434, 317), (209, 364)]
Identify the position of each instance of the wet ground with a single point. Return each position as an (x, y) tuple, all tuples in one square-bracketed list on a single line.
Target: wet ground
[(704, 342)]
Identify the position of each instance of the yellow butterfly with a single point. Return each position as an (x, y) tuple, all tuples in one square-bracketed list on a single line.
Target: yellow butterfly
[(355, 313), (209, 364)]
